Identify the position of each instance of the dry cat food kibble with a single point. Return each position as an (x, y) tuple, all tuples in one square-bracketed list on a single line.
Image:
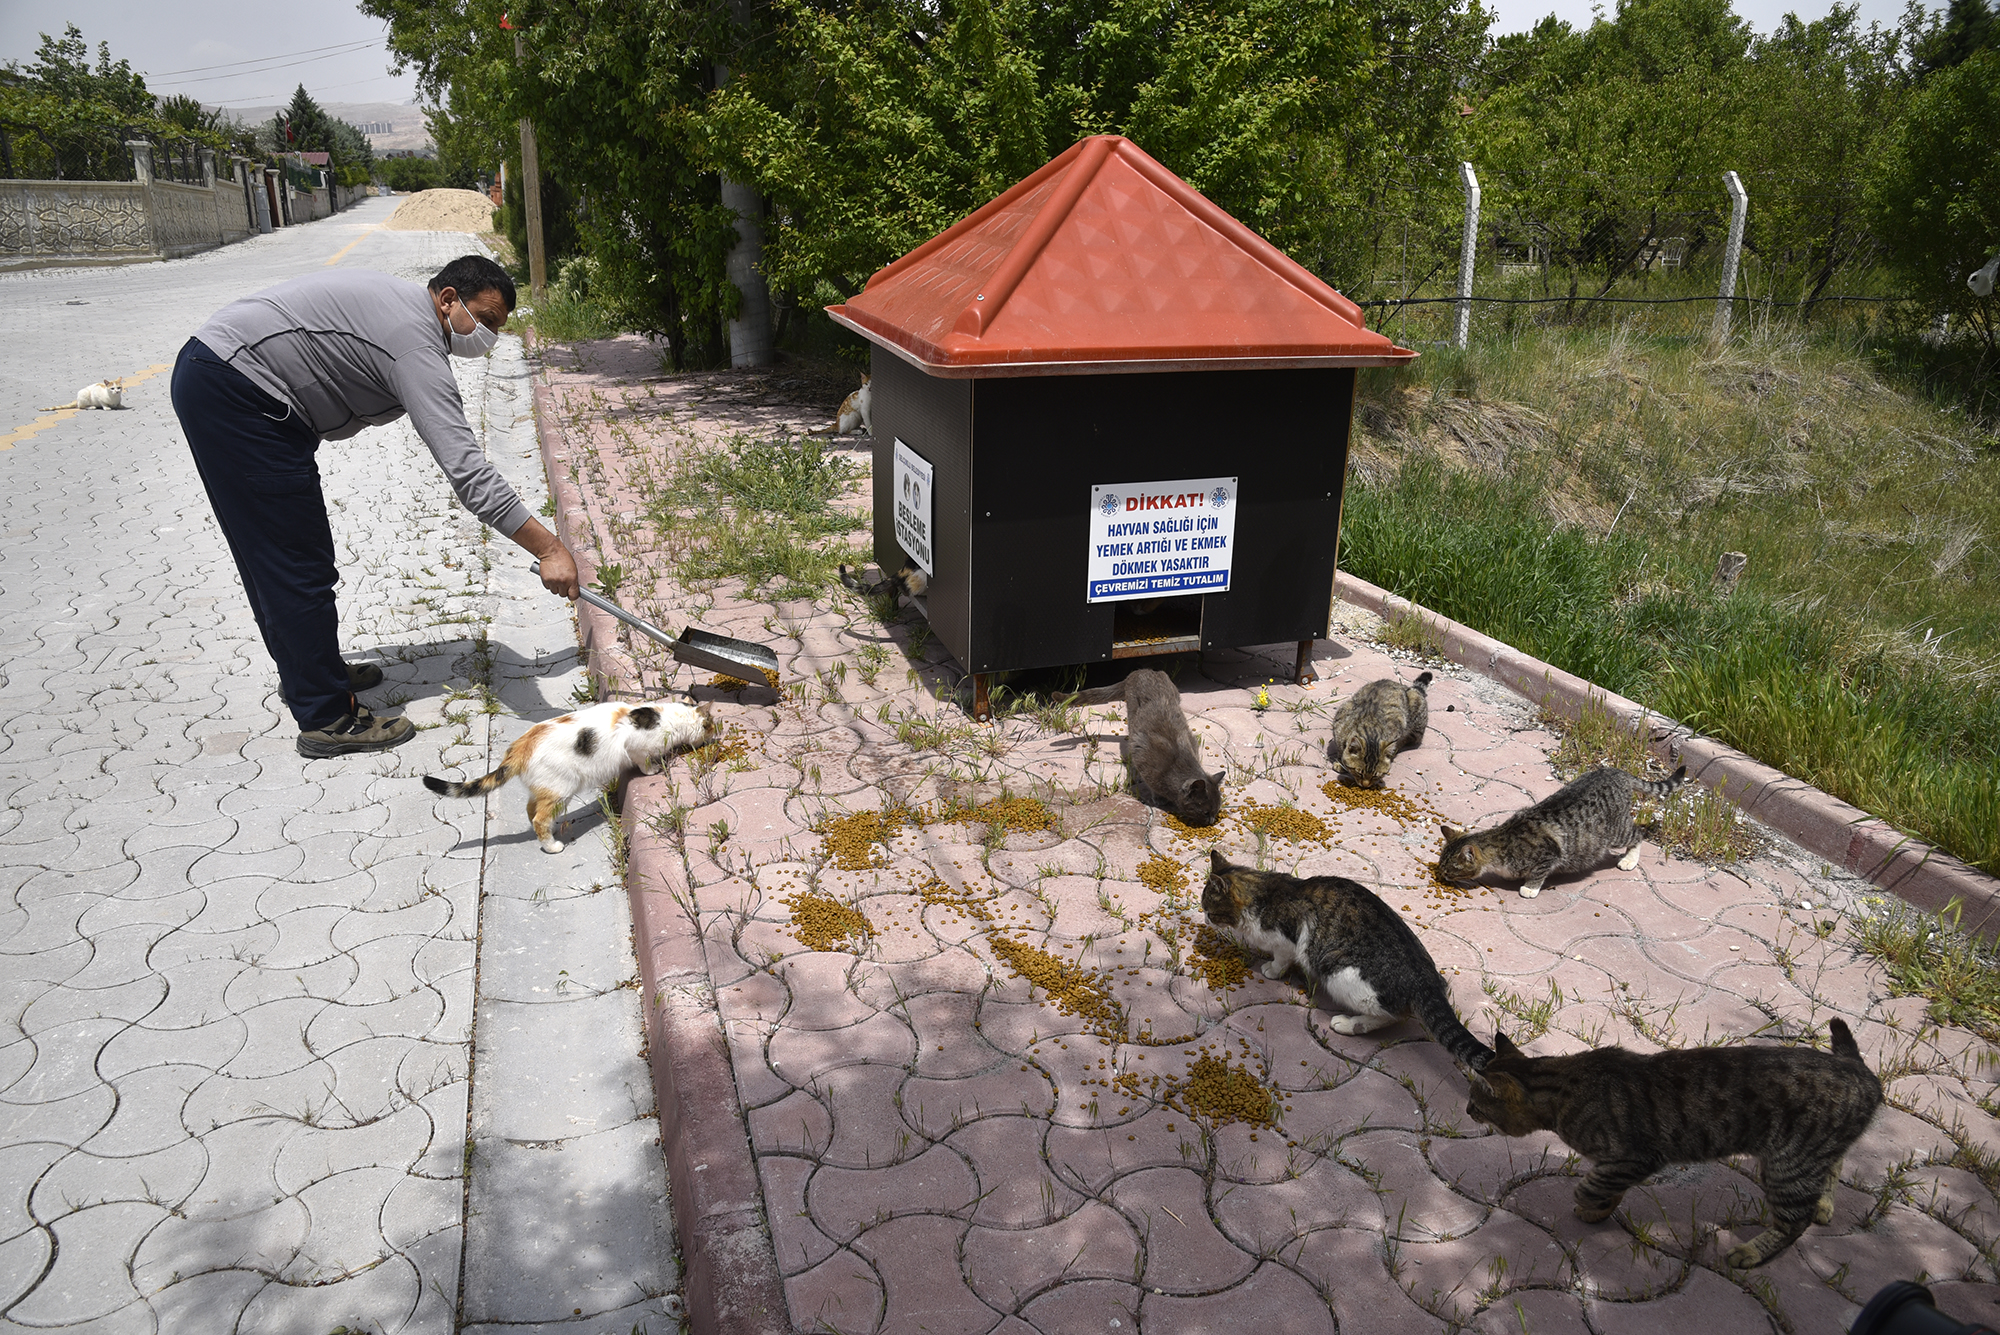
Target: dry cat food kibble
[(821, 922)]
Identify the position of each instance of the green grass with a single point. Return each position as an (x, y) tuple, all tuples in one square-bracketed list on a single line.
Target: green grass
[(762, 511), (1936, 957), (565, 317), (1792, 682)]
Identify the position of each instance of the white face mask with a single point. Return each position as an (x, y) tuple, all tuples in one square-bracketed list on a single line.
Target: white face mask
[(475, 344)]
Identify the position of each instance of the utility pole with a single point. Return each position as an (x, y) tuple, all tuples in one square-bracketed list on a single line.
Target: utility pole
[(750, 331), (531, 194)]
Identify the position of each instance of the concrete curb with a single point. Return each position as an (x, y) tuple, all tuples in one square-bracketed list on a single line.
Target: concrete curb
[(1844, 835), (729, 1272)]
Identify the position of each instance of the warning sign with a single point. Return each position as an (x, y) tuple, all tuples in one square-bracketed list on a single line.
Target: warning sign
[(1149, 539), (913, 506)]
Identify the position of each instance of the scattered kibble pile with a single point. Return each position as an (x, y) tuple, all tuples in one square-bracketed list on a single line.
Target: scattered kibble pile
[(722, 681), (1217, 1092), (821, 922)]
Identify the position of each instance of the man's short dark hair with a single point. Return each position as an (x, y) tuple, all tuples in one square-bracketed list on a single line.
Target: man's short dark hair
[(469, 275)]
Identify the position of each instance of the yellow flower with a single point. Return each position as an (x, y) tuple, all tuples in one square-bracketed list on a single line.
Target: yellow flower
[(1263, 698)]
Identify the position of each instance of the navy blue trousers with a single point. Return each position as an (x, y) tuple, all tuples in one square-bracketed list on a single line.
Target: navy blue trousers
[(256, 458)]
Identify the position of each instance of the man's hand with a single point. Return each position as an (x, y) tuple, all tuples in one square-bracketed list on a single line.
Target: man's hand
[(558, 562)]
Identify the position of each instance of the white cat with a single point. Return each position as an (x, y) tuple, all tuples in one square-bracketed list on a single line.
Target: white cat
[(103, 394), (585, 751), (854, 412)]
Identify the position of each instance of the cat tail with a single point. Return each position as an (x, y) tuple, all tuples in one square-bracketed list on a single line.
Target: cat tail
[(1102, 695), (485, 783), (1841, 1039), (1663, 787), (1434, 1012), (1423, 682)]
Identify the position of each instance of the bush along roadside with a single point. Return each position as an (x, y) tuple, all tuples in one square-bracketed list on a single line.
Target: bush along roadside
[(1789, 682)]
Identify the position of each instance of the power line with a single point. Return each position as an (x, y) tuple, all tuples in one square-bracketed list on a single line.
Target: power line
[(258, 60), (309, 60), (278, 99)]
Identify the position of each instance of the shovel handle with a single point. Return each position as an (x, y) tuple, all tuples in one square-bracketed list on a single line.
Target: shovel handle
[(604, 604)]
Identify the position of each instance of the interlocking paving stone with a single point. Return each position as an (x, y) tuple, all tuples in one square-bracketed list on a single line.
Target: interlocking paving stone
[(929, 1146), (240, 985)]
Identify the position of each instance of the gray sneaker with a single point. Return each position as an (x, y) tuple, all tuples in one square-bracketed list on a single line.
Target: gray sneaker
[(356, 732)]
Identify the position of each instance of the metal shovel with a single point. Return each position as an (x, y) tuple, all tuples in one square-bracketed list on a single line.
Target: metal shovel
[(699, 648)]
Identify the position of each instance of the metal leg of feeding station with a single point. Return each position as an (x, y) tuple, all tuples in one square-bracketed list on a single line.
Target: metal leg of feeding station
[(1302, 674), (982, 707)]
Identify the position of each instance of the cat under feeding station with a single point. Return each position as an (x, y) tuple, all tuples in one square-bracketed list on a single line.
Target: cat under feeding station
[(1110, 421)]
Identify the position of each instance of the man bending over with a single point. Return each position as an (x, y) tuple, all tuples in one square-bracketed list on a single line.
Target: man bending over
[(318, 358)]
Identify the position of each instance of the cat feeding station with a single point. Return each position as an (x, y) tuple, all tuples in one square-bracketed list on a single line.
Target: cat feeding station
[(1110, 421)]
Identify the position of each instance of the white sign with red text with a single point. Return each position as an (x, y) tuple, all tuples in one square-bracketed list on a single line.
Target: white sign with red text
[(1157, 539)]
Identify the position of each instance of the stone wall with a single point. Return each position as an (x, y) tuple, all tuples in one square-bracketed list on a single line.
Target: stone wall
[(42, 221), (185, 219), (232, 210)]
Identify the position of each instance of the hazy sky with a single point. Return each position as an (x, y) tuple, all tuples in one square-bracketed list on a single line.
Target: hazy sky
[(177, 44), (173, 42)]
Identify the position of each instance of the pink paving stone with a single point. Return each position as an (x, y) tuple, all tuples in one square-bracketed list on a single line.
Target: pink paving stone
[(845, 1201), (805, 1056), (762, 814), (1571, 929), (938, 1107), (1458, 1276), (1090, 1159), (1266, 1218), (942, 1022), (821, 996), (946, 969), (840, 1294), (1250, 1154), (1098, 1306), (1016, 1189), (1964, 1301), (1350, 1266), (799, 1246), (1297, 1059), (1009, 1267), (1483, 1167), (1015, 1027), (758, 997), (1415, 1205), (868, 1128), (797, 1124), (1533, 1310), (925, 1292), (1292, 1304), (1367, 1099), (1705, 1302), (1800, 1282), (1184, 1251)]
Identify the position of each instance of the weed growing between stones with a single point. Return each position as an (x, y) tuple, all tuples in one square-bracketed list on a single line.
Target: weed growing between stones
[(1934, 957), (1413, 634)]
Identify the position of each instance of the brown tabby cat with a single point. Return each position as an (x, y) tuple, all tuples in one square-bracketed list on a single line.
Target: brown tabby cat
[(1376, 723), (1798, 1110), (1569, 830), (1356, 948), (1158, 746)]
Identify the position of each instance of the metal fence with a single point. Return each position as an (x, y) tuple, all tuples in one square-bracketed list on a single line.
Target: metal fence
[(1493, 252), (28, 153)]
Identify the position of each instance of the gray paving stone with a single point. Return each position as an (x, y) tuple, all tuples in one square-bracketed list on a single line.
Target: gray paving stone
[(250, 979)]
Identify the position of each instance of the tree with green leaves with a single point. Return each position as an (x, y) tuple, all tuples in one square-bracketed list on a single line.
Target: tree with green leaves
[(1935, 199)]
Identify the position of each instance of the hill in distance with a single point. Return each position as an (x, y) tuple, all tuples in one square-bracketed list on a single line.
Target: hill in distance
[(408, 130)]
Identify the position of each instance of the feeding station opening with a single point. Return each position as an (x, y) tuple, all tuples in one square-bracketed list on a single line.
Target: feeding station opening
[(1110, 421)]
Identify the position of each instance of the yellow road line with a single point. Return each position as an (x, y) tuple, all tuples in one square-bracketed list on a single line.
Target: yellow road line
[(351, 245), (49, 419)]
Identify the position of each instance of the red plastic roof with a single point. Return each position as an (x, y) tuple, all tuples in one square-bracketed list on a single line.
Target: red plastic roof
[(1106, 261)]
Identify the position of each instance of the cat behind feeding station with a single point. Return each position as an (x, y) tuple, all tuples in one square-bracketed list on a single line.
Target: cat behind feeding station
[(103, 394), (1357, 949), (1375, 724), (1569, 830), (584, 752), (854, 412), (1158, 745), (909, 582), (1797, 1110)]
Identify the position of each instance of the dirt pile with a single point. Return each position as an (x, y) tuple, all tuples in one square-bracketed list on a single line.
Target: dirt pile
[(443, 211)]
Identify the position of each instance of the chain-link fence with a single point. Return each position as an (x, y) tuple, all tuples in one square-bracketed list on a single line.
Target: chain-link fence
[(1572, 249)]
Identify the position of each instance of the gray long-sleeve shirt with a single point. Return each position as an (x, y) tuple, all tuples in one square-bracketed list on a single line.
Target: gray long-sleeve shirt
[(349, 348)]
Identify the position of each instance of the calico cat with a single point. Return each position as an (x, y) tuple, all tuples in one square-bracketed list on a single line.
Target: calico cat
[(1569, 830), (909, 582), (1159, 747), (1349, 942), (1378, 722), (103, 394), (1798, 1110), (585, 751), (854, 411)]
